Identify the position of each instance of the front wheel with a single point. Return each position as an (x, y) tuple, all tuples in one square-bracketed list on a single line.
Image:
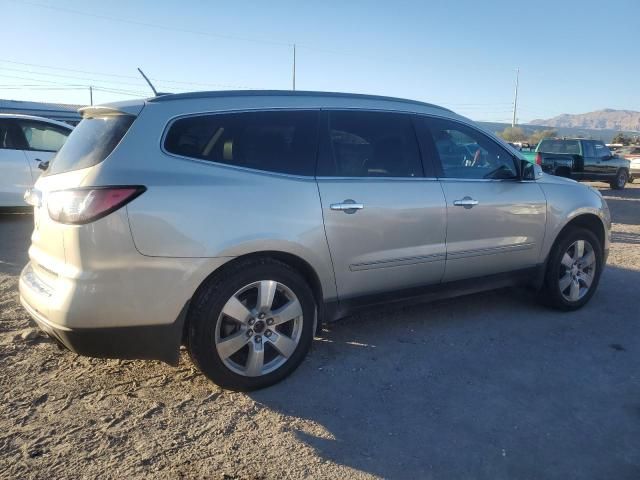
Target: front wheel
[(573, 270), (251, 327), (620, 181)]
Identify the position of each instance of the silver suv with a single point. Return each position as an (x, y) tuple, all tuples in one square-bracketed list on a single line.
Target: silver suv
[(235, 223)]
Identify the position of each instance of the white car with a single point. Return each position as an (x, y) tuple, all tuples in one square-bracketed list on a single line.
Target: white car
[(27, 143)]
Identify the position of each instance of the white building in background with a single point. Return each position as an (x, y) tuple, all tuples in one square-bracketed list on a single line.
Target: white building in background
[(56, 111)]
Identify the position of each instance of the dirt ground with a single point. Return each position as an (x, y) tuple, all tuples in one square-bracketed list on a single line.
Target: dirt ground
[(486, 386)]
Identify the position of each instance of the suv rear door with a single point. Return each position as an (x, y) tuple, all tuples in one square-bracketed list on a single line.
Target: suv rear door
[(384, 219), (89, 144), (495, 222)]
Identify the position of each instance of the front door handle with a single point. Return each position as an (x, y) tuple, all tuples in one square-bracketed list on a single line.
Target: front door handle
[(348, 206), (466, 202)]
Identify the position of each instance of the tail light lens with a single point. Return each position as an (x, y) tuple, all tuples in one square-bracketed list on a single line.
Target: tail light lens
[(538, 158), (78, 206)]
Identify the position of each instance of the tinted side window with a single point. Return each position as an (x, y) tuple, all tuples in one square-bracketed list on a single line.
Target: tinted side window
[(276, 141), (466, 153), (602, 150), (588, 149), (571, 147), (11, 136), (371, 144), (43, 137)]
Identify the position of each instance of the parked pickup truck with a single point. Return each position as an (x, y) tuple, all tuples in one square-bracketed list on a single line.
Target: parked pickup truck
[(581, 160)]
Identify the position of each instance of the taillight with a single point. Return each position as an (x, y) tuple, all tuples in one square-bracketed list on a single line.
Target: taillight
[(538, 158), (78, 206)]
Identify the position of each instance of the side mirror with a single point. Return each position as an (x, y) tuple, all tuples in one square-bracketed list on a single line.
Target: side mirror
[(531, 171)]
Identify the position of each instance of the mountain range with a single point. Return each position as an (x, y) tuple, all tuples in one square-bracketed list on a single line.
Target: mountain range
[(609, 119)]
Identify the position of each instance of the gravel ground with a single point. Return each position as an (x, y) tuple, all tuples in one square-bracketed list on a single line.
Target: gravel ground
[(486, 386)]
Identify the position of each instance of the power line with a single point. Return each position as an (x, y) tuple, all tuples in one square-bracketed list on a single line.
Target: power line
[(212, 34), (85, 86), (154, 25), (159, 80)]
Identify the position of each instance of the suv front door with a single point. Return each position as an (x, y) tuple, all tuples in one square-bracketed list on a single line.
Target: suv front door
[(384, 219), (495, 222), (42, 141)]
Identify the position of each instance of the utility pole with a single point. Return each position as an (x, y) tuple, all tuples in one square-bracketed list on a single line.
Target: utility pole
[(91, 94), (515, 99), (294, 66)]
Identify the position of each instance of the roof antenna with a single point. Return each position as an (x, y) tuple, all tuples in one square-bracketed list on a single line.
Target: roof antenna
[(148, 81)]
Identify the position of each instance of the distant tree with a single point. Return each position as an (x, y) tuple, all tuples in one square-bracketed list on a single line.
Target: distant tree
[(622, 138), (538, 135), (513, 134)]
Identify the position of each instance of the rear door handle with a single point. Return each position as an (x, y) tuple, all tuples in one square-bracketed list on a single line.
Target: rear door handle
[(466, 202), (348, 206)]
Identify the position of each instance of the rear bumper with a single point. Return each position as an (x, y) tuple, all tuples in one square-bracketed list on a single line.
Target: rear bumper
[(147, 342)]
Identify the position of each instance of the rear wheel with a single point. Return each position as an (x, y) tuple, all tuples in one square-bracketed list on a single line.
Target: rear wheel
[(573, 270), (620, 181), (252, 327)]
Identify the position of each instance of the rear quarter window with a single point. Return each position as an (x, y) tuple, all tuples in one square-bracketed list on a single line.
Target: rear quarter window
[(90, 142), (275, 141), (571, 147)]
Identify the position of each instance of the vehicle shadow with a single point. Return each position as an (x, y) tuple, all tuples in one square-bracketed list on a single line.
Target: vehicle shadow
[(624, 204), (626, 237), (486, 386)]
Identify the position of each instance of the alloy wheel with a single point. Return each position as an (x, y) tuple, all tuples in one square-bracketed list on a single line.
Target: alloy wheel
[(259, 328), (577, 270)]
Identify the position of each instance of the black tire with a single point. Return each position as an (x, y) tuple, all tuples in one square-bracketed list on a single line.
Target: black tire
[(551, 293), (205, 316), (620, 181)]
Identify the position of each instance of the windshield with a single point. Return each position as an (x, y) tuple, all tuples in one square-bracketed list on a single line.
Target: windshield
[(90, 142), (570, 147)]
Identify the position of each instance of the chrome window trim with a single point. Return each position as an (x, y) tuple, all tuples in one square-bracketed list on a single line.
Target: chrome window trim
[(454, 179), (370, 179)]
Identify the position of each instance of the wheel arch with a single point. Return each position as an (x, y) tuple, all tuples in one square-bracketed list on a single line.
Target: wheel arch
[(589, 221), (294, 261)]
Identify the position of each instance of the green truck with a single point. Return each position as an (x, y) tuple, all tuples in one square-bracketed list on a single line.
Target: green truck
[(581, 159)]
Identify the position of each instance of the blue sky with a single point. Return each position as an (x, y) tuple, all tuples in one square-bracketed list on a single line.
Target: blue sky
[(574, 56)]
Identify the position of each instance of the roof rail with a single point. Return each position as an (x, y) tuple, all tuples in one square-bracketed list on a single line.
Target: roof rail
[(283, 93)]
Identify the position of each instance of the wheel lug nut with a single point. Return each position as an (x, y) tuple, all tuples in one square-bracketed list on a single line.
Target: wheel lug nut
[(261, 316), (258, 339), (267, 333), (249, 332), (252, 321), (270, 321)]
